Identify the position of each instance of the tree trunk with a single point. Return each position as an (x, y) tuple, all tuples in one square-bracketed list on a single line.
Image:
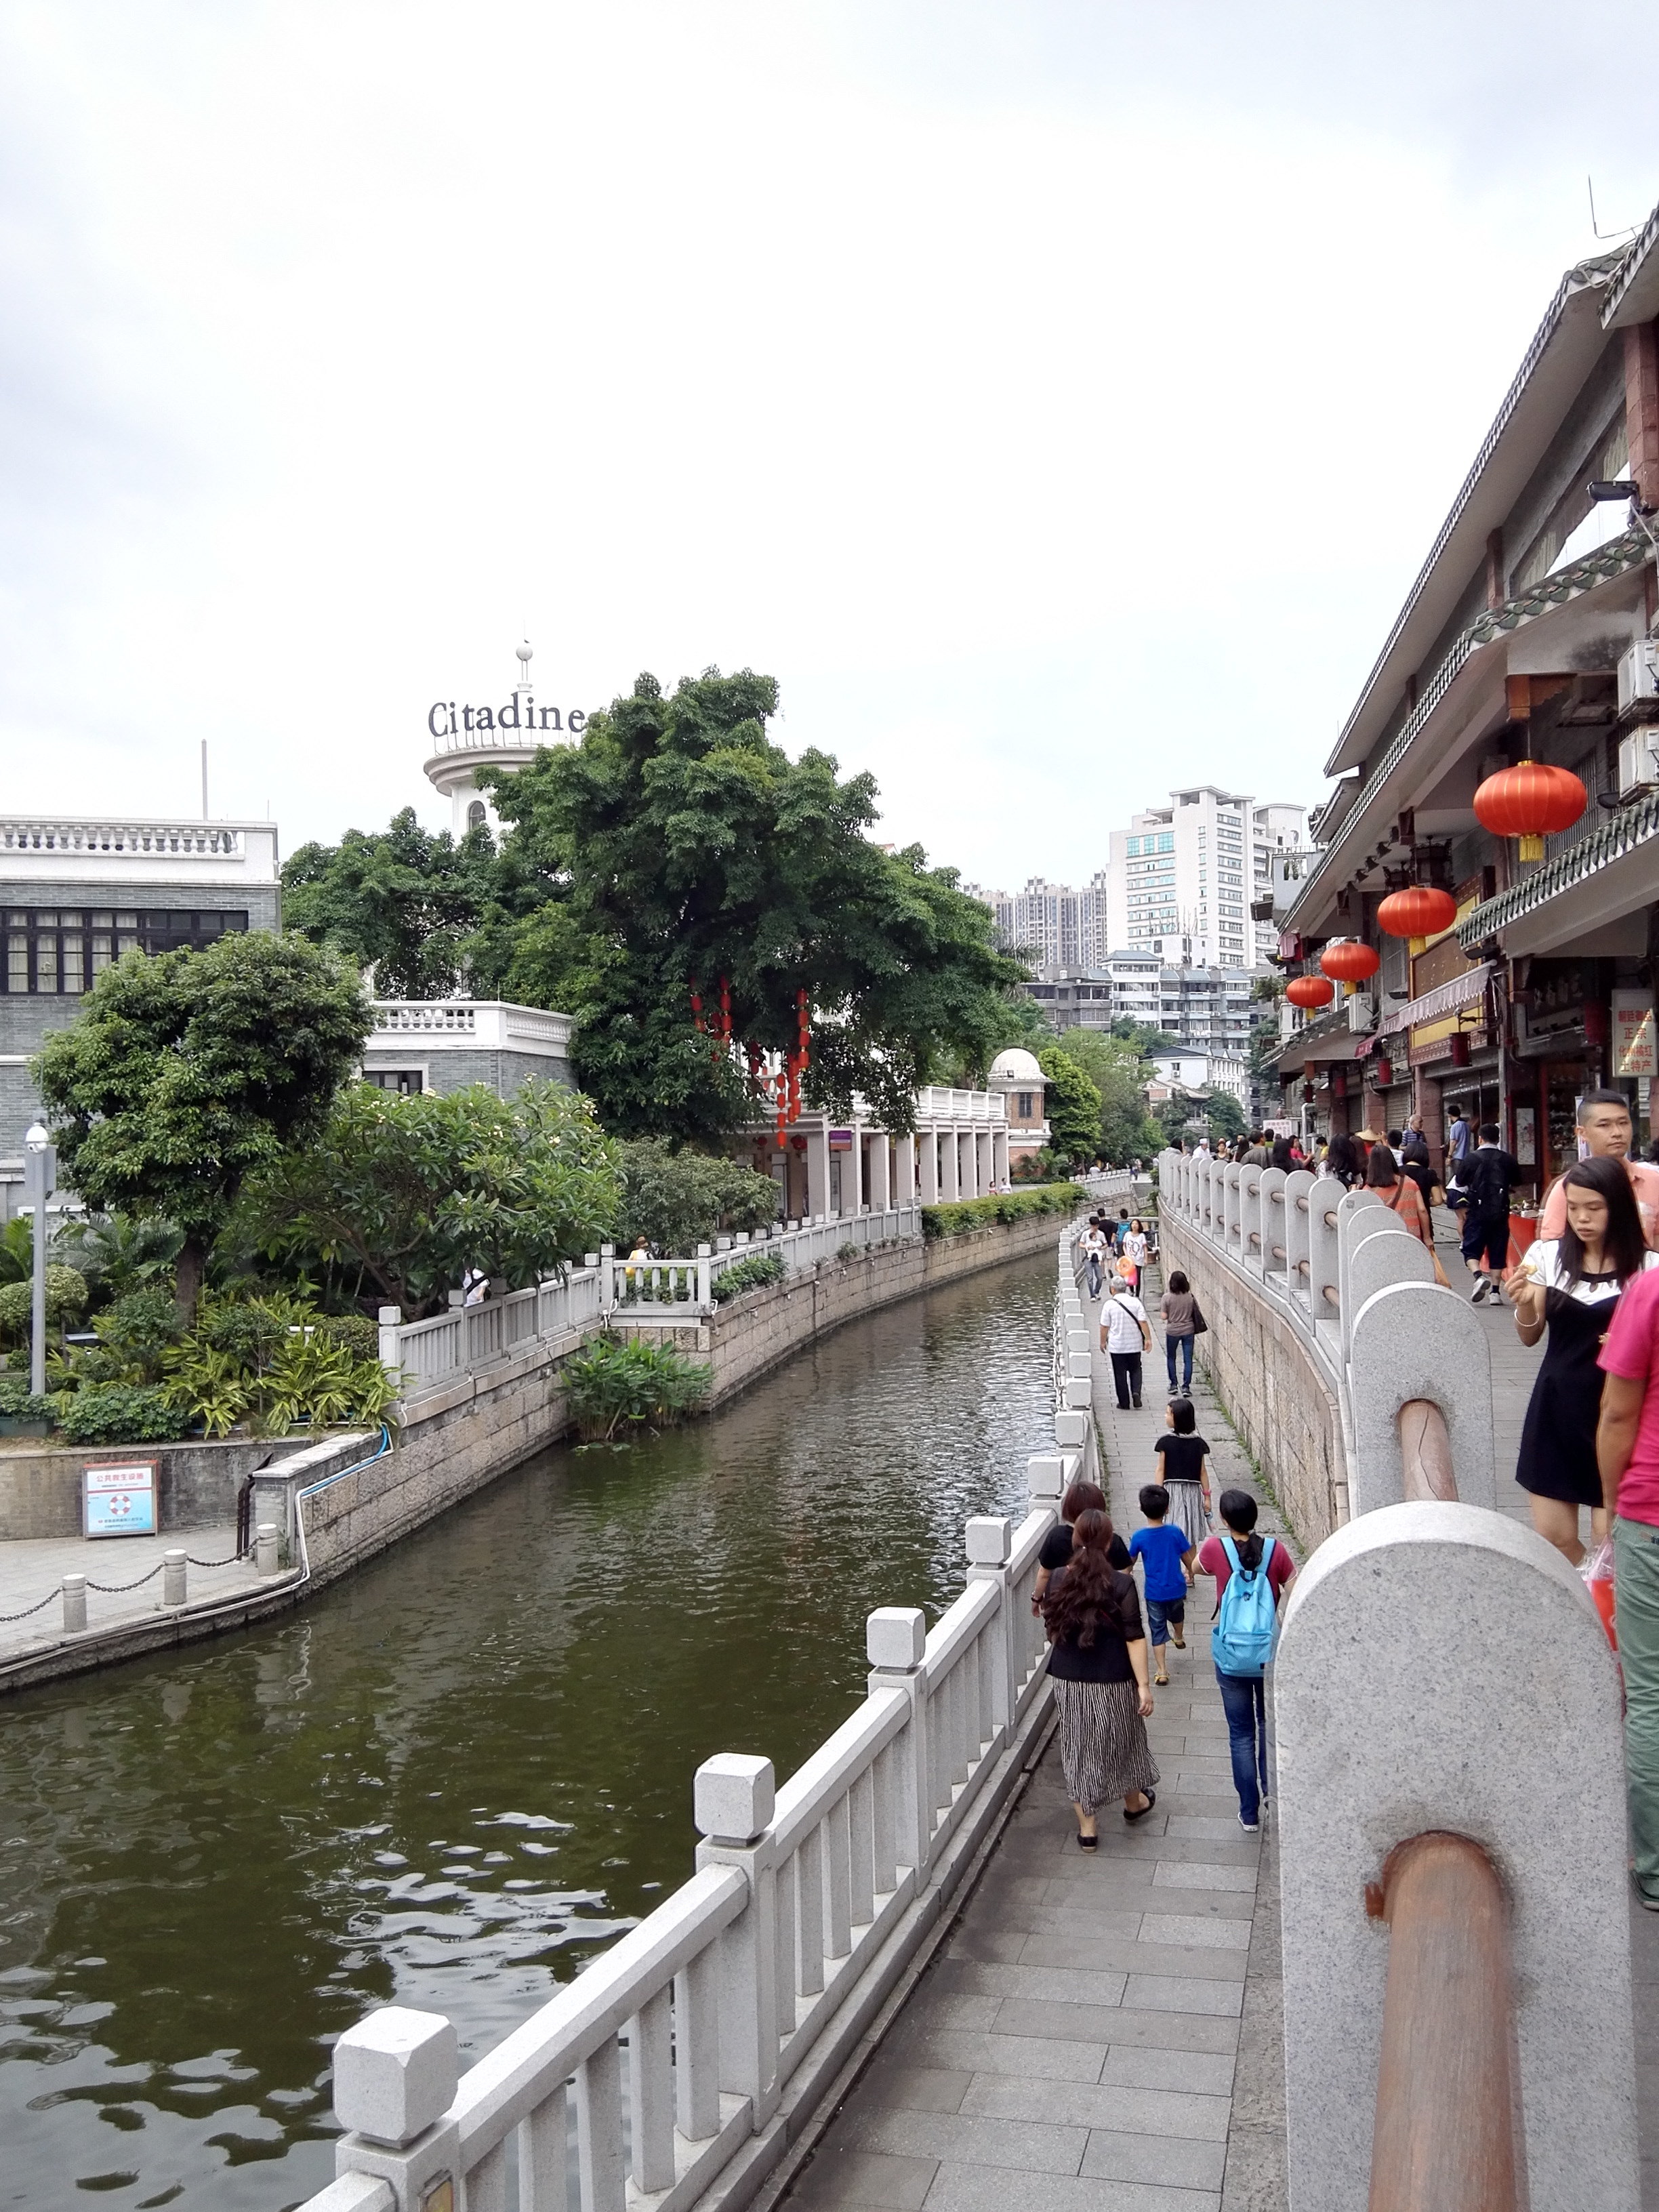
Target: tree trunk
[(192, 1265)]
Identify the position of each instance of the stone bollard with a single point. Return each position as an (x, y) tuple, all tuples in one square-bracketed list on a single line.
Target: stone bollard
[(74, 1604), (394, 2080), (175, 1570), (266, 1549)]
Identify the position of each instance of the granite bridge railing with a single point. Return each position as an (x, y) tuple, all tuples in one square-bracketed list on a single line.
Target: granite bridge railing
[(691, 2060), (1448, 1788)]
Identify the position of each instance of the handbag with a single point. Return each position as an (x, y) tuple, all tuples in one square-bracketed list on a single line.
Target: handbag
[(1200, 1327)]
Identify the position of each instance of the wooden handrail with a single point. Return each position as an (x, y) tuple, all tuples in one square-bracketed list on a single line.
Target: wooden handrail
[(1426, 1453), (1447, 2132)]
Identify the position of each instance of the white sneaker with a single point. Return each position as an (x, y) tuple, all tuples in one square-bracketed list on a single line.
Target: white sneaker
[(1478, 1295), (1250, 1827)]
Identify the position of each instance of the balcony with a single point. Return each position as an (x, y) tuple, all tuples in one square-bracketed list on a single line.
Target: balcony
[(1605, 877)]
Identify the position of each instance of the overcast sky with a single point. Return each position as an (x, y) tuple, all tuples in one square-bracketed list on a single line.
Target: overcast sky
[(1057, 399)]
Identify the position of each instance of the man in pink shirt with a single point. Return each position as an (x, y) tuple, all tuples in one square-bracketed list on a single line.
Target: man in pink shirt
[(1627, 1455), (1604, 1123)]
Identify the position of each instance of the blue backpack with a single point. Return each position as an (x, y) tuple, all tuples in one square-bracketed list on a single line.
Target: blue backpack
[(1246, 1622)]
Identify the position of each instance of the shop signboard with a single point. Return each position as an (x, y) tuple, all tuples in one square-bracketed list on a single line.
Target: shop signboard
[(840, 1140), (119, 1499), (1635, 1047)]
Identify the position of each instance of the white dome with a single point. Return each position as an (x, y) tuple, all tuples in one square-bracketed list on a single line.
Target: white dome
[(1015, 1065)]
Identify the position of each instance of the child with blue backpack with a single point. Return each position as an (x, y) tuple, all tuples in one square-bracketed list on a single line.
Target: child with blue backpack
[(1250, 1572)]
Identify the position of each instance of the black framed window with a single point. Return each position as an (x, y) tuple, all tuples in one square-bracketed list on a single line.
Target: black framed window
[(406, 1081), (61, 952)]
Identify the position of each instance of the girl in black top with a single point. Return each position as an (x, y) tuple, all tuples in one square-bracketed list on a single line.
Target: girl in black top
[(1184, 1472), (1097, 1663), (1081, 1497)]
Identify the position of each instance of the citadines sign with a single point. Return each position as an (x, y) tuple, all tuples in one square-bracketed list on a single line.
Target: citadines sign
[(520, 713)]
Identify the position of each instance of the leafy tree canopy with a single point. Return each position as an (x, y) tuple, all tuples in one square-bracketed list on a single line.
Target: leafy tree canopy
[(678, 1201), (676, 845), (186, 1072), (404, 1194), (1147, 1040), (1074, 1106), (403, 901), (1119, 1074)]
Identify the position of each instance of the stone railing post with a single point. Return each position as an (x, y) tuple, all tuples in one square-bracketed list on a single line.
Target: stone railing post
[(1378, 1249), (391, 1321), (175, 1571), (1414, 1340), (1298, 1190), (267, 1549), (896, 1643), (1323, 1259), (705, 1285), (1231, 1209), (74, 1604), (1349, 1233), (1270, 1207), (733, 1797), (1409, 1595), (990, 1543), (395, 2074)]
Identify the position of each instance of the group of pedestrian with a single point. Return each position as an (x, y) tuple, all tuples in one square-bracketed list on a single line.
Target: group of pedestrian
[(1119, 1248)]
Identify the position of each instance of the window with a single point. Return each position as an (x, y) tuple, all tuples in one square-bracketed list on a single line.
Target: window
[(404, 1080), (1023, 1105), (60, 952), (475, 815)]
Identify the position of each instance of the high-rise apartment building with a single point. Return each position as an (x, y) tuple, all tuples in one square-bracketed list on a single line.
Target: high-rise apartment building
[(1058, 929), (1191, 870)]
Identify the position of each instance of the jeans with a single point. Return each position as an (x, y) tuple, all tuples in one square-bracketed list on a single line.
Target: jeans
[(1636, 1610), (1092, 1263), (1245, 1705), (1164, 1613), (1185, 1344), (1126, 1373)]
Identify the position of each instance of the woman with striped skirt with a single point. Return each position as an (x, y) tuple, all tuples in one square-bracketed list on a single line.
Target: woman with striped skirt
[(1097, 1663)]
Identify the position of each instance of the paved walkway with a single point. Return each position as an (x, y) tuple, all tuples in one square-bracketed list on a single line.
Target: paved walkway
[(1097, 2034), (32, 1568)]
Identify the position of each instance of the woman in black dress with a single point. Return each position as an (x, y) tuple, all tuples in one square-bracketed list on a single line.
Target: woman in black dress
[(1571, 1284)]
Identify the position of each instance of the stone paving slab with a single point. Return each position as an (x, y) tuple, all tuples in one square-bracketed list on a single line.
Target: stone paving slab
[(32, 1568)]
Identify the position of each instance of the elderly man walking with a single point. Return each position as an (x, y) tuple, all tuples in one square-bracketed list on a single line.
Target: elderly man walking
[(1605, 1127), (1124, 1335)]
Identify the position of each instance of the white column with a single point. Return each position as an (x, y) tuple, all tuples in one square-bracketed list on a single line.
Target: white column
[(852, 1173), (818, 1169), (929, 1143), (988, 1160), (950, 1182), (904, 1191), (881, 1188), (999, 1155)]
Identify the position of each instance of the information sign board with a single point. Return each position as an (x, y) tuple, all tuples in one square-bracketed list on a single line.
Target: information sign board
[(1635, 1047), (120, 1499)]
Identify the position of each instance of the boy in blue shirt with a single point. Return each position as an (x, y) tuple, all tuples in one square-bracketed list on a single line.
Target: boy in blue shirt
[(1167, 1556)]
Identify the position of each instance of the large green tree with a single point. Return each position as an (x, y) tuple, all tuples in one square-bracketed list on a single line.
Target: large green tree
[(186, 1072), (675, 845), (1073, 1106), (1119, 1073), (402, 900), (404, 1194)]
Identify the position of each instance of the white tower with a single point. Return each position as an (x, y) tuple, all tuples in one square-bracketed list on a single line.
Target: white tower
[(509, 740)]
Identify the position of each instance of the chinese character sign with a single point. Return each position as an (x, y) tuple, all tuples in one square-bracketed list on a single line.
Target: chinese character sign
[(120, 1501), (1635, 1047)]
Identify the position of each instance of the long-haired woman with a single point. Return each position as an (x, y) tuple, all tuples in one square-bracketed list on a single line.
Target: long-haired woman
[(1571, 1284), (1097, 1663), (1399, 1191), (1057, 1545)]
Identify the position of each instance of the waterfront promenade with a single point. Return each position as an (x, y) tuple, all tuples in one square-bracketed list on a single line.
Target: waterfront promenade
[(1095, 2032)]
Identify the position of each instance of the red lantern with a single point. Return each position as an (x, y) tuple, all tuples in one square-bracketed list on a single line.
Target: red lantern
[(1350, 962), (1310, 991), (1529, 801), (1384, 1074), (1417, 911), (1460, 1050)]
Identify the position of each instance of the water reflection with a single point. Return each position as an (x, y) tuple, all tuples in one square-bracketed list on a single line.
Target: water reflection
[(456, 1777)]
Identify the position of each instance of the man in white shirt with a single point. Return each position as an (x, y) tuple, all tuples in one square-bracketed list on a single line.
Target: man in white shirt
[(1124, 1335)]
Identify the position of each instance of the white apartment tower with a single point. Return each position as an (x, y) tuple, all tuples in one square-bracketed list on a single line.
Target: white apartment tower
[(1190, 870)]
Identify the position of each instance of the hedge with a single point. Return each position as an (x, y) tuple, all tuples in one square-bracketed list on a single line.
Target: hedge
[(966, 1214)]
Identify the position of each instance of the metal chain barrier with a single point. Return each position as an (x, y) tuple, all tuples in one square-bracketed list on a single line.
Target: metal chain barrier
[(114, 1589), (28, 1609), (235, 1560)]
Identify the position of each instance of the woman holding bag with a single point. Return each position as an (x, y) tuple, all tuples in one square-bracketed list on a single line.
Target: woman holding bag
[(1401, 1193), (1181, 1322), (1097, 1664)]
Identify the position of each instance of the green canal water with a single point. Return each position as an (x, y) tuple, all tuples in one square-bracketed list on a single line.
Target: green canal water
[(453, 1779)]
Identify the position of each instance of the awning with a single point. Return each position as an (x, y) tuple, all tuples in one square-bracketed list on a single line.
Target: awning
[(1444, 999)]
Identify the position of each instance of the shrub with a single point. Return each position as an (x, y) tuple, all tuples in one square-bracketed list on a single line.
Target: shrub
[(678, 1201), (66, 1297), (18, 1402), (119, 1414), (622, 1383), (961, 1215), (137, 1330), (274, 1361), (748, 1275)]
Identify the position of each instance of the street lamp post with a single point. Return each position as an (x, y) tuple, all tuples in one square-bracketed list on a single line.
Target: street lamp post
[(39, 1181)]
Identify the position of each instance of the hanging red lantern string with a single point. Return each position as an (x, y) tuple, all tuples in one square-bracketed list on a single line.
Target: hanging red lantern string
[(1528, 802), (696, 1008), (725, 1011), (1349, 962)]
